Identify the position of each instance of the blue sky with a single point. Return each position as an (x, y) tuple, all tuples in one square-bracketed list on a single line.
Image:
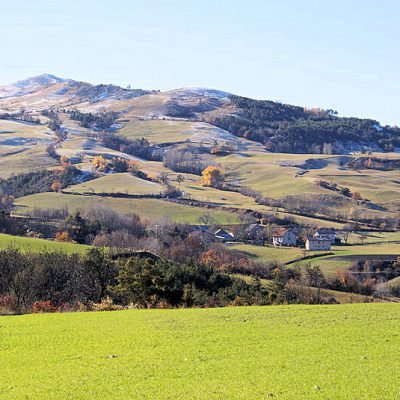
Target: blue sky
[(333, 54)]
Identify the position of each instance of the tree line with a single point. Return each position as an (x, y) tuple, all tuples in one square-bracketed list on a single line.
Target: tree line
[(291, 129), (54, 281)]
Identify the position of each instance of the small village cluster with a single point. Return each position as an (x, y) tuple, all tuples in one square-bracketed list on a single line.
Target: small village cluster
[(321, 240)]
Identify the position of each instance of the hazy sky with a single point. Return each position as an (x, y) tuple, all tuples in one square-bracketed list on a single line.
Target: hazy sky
[(337, 54)]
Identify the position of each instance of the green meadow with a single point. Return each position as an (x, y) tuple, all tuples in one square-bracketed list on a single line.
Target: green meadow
[(148, 209), (281, 352), (36, 245), (118, 183)]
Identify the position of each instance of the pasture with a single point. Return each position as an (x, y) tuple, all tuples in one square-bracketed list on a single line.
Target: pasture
[(36, 245), (148, 209), (23, 147), (118, 183), (279, 352)]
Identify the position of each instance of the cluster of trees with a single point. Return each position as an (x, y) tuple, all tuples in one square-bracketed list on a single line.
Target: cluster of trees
[(101, 121), (189, 160), (377, 268), (285, 128), (374, 163), (27, 183), (6, 202), (220, 149), (369, 278), (58, 278), (83, 226), (164, 283), (137, 147), (55, 124), (118, 165), (345, 191), (54, 281), (95, 93), (21, 116)]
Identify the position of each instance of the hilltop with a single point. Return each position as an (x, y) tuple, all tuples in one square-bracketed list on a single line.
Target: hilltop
[(279, 127)]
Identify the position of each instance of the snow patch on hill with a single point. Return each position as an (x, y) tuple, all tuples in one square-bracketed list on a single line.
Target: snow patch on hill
[(29, 85)]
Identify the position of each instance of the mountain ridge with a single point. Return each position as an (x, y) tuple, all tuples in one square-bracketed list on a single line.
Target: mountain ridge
[(279, 127)]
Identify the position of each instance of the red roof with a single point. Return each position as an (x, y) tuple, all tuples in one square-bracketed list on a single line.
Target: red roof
[(281, 231)]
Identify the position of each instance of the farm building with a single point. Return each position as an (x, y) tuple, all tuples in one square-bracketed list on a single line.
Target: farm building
[(284, 237), (255, 234), (224, 235), (326, 234), (203, 235), (316, 244)]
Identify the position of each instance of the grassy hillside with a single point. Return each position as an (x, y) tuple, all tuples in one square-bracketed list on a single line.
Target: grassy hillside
[(219, 128), (34, 244), (118, 183), (295, 352), (150, 209), (23, 147), (274, 175), (270, 253), (158, 131)]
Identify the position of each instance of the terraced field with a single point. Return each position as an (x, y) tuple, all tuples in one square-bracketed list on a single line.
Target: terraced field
[(148, 209), (118, 183)]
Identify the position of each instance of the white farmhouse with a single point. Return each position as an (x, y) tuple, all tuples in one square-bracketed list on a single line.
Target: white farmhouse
[(284, 237), (317, 244), (326, 234)]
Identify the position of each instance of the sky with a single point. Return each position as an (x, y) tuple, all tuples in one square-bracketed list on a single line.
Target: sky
[(341, 55)]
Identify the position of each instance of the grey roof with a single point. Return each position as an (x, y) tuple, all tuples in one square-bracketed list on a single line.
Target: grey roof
[(325, 231), (316, 239)]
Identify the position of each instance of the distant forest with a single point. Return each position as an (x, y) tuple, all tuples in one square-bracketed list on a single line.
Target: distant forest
[(292, 129)]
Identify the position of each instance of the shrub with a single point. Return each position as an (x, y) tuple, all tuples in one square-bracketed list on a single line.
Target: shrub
[(8, 304), (212, 176), (43, 307), (106, 304), (62, 236)]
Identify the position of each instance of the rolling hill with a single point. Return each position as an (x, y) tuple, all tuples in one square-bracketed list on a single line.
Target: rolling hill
[(286, 163), (280, 127)]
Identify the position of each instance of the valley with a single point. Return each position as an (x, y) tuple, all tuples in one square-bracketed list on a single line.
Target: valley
[(142, 152)]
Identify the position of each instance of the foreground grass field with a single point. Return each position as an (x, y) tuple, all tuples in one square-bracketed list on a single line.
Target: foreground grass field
[(283, 352), (36, 245)]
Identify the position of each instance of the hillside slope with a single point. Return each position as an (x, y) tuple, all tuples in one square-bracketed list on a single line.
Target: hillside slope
[(280, 127), (257, 144)]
